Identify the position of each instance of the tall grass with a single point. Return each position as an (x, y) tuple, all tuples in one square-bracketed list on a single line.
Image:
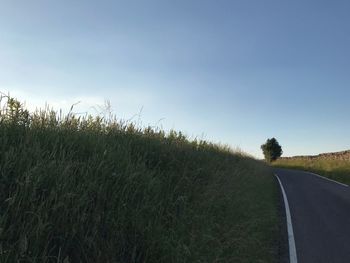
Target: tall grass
[(90, 189), (338, 170)]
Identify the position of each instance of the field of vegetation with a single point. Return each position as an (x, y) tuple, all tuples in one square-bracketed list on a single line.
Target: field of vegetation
[(332, 168), (91, 189)]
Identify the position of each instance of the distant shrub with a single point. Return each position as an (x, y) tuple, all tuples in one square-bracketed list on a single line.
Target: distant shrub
[(271, 150)]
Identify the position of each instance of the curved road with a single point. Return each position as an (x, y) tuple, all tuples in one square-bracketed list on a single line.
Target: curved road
[(320, 215)]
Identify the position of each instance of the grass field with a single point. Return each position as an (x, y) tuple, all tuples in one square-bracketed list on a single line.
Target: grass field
[(88, 189), (338, 170)]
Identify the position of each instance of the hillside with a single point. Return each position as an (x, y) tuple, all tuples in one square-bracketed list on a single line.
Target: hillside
[(335, 165), (342, 156), (88, 189)]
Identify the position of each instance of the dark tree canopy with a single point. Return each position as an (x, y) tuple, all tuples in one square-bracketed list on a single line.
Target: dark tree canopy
[(271, 150)]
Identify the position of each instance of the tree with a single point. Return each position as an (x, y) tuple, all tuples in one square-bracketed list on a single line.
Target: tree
[(271, 150)]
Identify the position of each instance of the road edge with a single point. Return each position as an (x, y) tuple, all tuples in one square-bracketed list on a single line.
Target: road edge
[(326, 178), (291, 240)]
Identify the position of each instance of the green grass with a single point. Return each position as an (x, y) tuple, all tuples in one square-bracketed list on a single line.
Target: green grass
[(97, 190), (338, 170)]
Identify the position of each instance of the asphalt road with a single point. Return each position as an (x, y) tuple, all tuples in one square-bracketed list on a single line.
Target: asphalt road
[(320, 215)]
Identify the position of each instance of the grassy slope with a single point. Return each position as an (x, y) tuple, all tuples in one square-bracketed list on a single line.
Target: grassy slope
[(338, 170), (94, 191)]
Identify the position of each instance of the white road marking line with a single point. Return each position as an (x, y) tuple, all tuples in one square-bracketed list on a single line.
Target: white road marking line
[(291, 240), (328, 179)]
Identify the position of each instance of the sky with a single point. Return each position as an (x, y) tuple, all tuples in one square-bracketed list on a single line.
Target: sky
[(234, 72)]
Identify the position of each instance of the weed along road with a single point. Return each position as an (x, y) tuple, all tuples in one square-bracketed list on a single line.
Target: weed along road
[(320, 217)]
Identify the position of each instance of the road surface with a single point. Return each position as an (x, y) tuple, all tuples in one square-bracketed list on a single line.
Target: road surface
[(320, 216)]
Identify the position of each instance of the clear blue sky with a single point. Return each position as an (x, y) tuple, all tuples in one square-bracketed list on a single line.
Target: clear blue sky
[(235, 72)]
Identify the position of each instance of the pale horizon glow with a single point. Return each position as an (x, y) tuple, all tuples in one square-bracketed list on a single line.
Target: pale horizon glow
[(234, 72)]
